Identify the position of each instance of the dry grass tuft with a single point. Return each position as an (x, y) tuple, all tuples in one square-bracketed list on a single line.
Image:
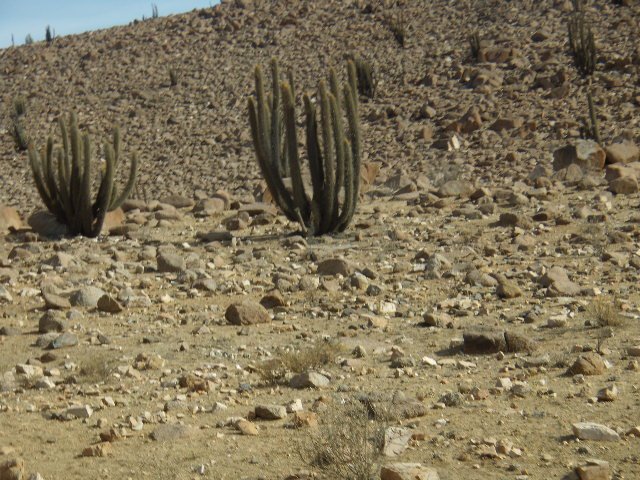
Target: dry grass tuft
[(346, 445), (97, 369), (275, 370), (604, 311)]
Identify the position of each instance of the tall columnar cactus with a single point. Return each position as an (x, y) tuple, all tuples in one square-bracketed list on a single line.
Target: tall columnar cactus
[(334, 156), (65, 188)]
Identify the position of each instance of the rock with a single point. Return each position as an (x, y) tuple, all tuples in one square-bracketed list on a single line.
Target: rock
[(335, 266), (594, 431), (113, 220), (588, 364), (273, 299), (484, 342), (99, 450), (67, 339), (456, 188), (172, 432), (170, 262), (177, 201), (108, 304), (247, 312), (594, 470), (634, 351), (5, 296), (52, 321), (626, 185), (452, 399), (205, 284), (587, 154), (608, 394), (271, 412), (309, 380), (9, 219), (506, 288), (509, 219), (12, 469), (408, 471), (79, 411), (45, 224), (519, 343), (396, 441), (246, 427), (209, 206), (480, 279), (29, 371), (558, 283), (54, 301), (624, 152), (305, 419), (86, 297)]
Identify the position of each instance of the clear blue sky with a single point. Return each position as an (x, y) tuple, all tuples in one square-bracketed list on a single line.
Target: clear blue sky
[(22, 17)]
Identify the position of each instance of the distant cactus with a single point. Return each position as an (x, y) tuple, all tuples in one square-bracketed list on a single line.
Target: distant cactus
[(592, 127), (49, 35), (475, 45), (398, 27), (334, 162), (65, 188), (582, 43), (365, 74), (18, 132), (173, 76)]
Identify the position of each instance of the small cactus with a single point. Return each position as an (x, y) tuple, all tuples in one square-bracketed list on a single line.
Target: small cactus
[(592, 127), (475, 45), (65, 188), (334, 162), (365, 74), (582, 43)]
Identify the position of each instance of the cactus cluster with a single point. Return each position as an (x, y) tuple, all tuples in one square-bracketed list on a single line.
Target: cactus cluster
[(365, 74), (334, 156), (65, 187), (582, 43)]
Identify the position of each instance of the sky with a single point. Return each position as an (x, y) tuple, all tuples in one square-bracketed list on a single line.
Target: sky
[(22, 17)]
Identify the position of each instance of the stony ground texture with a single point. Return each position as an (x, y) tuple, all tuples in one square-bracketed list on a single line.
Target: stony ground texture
[(483, 306)]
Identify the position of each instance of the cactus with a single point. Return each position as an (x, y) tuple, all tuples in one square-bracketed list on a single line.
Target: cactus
[(582, 43), (475, 45), (367, 82), (334, 163), (592, 127), (65, 188)]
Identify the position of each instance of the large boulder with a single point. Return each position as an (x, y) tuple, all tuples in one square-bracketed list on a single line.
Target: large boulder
[(587, 154)]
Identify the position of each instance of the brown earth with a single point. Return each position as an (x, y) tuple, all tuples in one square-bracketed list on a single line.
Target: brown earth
[(446, 241)]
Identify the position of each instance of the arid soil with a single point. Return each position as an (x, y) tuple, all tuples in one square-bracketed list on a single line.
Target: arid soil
[(484, 299)]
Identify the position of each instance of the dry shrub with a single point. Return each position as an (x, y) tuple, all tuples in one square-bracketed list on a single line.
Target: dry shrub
[(604, 311), (346, 445), (275, 370), (96, 368)]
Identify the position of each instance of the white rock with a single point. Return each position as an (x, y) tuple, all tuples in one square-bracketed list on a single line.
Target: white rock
[(594, 431)]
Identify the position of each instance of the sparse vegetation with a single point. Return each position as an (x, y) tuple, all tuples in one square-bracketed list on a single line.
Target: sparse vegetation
[(474, 44), (49, 35), (173, 76), (591, 126), (347, 444), (68, 196), (18, 132), (398, 27), (275, 370), (604, 311), (367, 81), (96, 369), (28, 40), (154, 10), (334, 163), (582, 43)]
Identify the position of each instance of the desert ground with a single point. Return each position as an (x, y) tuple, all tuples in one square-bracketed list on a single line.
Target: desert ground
[(479, 318)]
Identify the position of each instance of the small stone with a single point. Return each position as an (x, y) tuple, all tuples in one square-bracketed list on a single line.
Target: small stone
[(273, 299), (506, 288), (246, 427), (594, 431), (79, 411), (271, 412), (108, 304), (12, 469), (100, 450), (52, 321), (623, 152), (588, 364), (484, 342), (309, 380), (594, 470), (608, 394), (247, 312), (634, 351), (335, 266), (86, 297), (170, 263), (305, 419), (56, 302), (587, 154), (408, 471), (65, 340)]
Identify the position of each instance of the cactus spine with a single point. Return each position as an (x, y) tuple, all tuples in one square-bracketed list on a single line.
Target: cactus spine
[(334, 163), (65, 188)]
